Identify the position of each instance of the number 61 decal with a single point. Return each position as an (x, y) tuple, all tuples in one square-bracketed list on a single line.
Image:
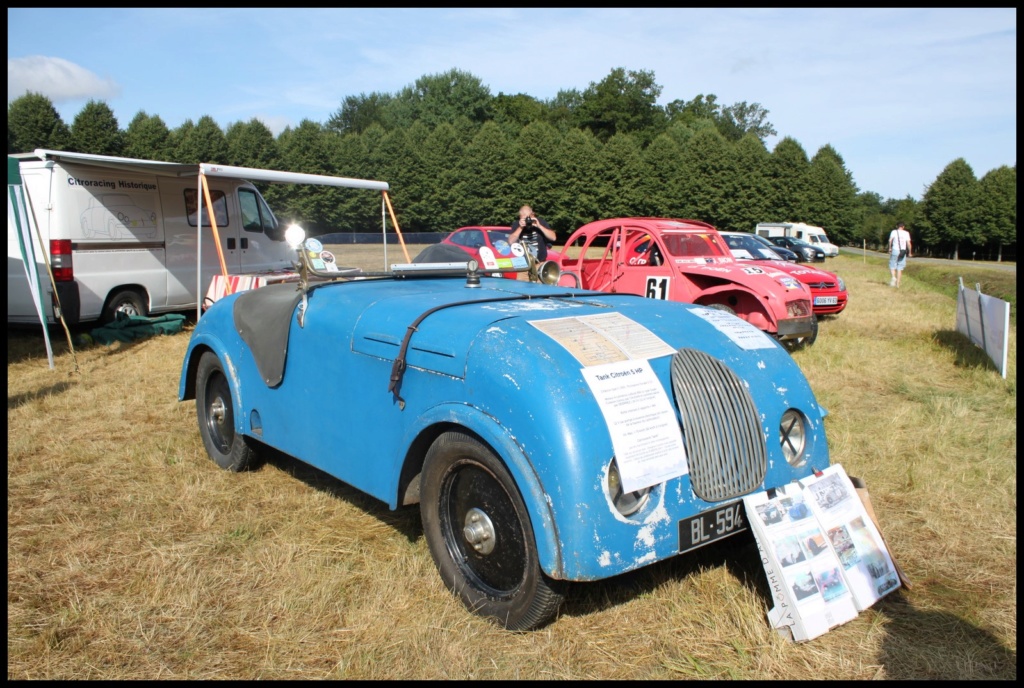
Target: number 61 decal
[(657, 288)]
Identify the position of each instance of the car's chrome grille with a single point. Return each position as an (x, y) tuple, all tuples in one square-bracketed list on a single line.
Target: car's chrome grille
[(821, 285), (721, 431)]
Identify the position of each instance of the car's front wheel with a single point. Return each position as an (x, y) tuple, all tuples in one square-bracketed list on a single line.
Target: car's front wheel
[(479, 534), (215, 412), (802, 342)]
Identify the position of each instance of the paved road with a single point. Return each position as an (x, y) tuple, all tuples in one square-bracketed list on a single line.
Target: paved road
[(973, 264)]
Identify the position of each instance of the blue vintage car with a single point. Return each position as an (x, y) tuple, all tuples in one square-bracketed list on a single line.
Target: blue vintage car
[(549, 434)]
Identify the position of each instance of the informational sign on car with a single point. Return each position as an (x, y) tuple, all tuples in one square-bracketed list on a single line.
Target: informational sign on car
[(641, 421)]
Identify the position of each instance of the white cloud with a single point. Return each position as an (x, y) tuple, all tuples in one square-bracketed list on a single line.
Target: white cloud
[(57, 79)]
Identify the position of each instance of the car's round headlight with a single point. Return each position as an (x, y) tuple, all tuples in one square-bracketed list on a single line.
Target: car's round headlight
[(793, 436), (626, 503), (294, 235), (842, 284)]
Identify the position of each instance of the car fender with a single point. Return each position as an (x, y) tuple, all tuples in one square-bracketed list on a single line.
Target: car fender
[(764, 316), (501, 441)]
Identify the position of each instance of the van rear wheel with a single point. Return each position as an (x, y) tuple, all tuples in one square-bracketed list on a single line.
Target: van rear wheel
[(127, 301)]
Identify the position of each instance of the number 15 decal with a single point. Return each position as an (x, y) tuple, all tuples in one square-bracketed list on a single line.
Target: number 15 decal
[(657, 288)]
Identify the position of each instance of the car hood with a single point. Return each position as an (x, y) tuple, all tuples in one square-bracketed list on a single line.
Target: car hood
[(440, 329), (802, 272), (759, 278)]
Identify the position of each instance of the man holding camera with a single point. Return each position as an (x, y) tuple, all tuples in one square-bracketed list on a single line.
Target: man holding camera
[(533, 232)]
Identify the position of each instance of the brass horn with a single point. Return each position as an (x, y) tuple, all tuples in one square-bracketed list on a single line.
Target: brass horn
[(547, 272)]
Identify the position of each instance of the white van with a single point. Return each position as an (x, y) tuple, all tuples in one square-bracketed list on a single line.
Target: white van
[(120, 235), (810, 233)]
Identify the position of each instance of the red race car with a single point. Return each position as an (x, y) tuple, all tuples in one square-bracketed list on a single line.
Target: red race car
[(688, 261), (494, 239), (828, 291)]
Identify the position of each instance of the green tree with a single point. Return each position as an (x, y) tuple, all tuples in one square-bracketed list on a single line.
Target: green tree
[(536, 171), (873, 220), (251, 144), (148, 138), (789, 176), (689, 111), (358, 113), (304, 149), (662, 193), (438, 98), (708, 168), (949, 208), (562, 109), (433, 200), (349, 209), (403, 150), (33, 122), (622, 170), (489, 189), (517, 111), (95, 130), (577, 201), (739, 119), (624, 102), (832, 201), (733, 121), (997, 208), (200, 142), (746, 202)]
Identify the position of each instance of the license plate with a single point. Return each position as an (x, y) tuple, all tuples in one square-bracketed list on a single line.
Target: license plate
[(710, 526), (826, 300)]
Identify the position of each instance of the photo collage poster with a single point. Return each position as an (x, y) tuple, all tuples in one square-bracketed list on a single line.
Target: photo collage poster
[(867, 565), (808, 588), (824, 557)]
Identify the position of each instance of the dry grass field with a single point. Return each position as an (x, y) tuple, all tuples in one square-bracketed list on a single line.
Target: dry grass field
[(131, 556)]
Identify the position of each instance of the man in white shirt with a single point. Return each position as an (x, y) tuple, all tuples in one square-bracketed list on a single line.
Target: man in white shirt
[(899, 251)]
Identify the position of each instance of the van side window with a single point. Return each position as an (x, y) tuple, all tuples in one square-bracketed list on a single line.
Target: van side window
[(220, 208), (256, 214)]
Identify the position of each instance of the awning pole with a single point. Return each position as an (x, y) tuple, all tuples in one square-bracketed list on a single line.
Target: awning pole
[(398, 230), (216, 234)]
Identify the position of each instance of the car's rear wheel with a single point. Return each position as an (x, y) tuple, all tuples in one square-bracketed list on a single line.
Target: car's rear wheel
[(479, 534), (215, 412)]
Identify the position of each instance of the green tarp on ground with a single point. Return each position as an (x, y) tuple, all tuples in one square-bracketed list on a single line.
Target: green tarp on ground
[(128, 328)]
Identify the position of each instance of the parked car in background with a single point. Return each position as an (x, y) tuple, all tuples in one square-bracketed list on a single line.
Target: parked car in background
[(688, 261), (812, 234), (828, 291), (783, 252), (547, 434), (806, 253), (494, 239)]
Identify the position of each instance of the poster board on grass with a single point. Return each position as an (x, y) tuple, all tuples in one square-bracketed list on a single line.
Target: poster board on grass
[(824, 557)]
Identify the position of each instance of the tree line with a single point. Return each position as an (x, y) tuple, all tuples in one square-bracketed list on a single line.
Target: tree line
[(455, 155)]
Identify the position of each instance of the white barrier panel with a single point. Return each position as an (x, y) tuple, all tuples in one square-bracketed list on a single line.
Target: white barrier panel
[(986, 322)]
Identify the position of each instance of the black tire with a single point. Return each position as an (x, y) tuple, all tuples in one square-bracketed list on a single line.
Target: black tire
[(480, 536), (804, 342), (215, 412), (127, 301), (721, 307)]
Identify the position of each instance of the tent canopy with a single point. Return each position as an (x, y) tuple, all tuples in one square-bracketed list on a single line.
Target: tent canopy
[(175, 169)]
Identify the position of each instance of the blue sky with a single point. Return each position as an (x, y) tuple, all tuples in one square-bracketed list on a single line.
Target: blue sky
[(899, 93)]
